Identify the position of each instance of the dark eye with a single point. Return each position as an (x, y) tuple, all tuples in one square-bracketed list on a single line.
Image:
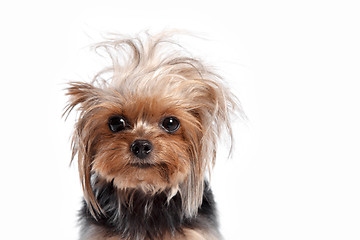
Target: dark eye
[(170, 124), (117, 123)]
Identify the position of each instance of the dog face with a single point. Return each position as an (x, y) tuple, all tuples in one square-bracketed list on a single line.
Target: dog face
[(153, 126)]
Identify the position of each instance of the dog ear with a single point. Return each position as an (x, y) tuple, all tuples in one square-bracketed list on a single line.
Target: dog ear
[(86, 97), (81, 93), (212, 104), (216, 104)]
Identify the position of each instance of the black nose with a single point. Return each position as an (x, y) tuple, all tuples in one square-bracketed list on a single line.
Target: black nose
[(141, 148)]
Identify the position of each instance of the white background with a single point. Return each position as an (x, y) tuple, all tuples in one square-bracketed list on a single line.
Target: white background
[(294, 65)]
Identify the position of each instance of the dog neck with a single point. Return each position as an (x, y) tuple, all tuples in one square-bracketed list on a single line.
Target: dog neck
[(136, 215)]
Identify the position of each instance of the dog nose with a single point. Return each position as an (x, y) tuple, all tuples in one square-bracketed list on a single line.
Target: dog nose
[(141, 148)]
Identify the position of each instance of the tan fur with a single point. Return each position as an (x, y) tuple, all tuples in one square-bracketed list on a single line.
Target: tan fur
[(150, 79), (97, 233)]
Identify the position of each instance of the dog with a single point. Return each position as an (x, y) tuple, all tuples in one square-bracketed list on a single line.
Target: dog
[(146, 136)]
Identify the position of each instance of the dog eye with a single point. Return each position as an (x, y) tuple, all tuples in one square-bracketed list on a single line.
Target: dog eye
[(117, 123), (170, 124)]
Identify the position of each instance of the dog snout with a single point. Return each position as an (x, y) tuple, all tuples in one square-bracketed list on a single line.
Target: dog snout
[(141, 148)]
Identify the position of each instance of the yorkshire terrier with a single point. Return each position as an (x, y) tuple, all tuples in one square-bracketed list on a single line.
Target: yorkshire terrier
[(146, 138)]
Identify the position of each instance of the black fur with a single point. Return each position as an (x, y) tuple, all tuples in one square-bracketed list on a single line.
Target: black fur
[(149, 217)]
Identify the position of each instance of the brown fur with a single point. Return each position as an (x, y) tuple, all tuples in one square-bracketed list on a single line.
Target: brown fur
[(97, 233)]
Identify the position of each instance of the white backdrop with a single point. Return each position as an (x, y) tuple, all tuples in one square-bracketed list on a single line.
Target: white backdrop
[(293, 64)]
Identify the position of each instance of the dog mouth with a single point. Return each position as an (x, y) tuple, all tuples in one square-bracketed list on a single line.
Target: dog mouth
[(142, 165)]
